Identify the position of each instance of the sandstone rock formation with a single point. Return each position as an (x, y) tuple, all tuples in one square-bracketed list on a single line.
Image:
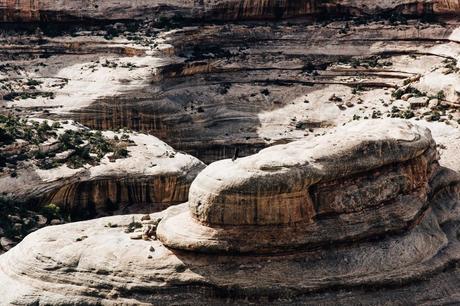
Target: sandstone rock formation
[(367, 215), (202, 92), (289, 193), (44, 10), (152, 177), (375, 189)]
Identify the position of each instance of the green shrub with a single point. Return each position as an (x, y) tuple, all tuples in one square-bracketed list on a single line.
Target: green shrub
[(441, 95), (51, 211), (31, 82)]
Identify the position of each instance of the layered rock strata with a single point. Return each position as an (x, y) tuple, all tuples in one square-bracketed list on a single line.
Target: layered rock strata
[(400, 245), (42, 10), (151, 178), (355, 183), (211, 88), (286, 82)]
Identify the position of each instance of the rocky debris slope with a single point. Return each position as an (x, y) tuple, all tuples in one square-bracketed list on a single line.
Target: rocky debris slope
[(203, 91), (69, 10), (286, 81), (397, 242), (16, 221), (88, 173)]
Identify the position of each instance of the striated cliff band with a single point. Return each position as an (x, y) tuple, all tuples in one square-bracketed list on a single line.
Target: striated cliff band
[(362, 215), (210, 88), (69, 10), (88, 173)]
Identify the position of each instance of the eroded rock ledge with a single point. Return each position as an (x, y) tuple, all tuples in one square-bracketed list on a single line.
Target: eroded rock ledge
[(398, 239), (151, 176), (355, 183)]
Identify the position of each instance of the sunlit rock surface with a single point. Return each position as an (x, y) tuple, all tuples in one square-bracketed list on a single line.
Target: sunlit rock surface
[(365, 215), (398, 247), (150, 178), (203, 91)]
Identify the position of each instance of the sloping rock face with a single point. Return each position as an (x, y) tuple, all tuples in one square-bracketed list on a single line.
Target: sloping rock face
[(35, 10), (400, 247), (305, 186), (152, 177), (209, 88)]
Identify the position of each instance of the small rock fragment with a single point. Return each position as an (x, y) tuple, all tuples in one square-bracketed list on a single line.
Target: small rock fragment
[(55, 222), (335, 98), (136, 236), (17, 227), (7, 243), (433, 103), (14, 218), (418, 102), (406, 97), (41, 220), (145, 218)]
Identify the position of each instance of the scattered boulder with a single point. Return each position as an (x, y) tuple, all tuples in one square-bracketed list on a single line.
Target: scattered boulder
[(418, 102), (406, 97), (55, 222), (432, 103), (145, 218), (41, 220), (335, 98), (6, 243)]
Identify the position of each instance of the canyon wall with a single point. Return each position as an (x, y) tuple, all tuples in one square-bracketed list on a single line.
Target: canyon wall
[(89, 199), (43, 10), (151, 178)]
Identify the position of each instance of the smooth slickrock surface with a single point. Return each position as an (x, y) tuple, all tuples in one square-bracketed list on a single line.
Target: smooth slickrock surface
[(366, 179), (96, 262)]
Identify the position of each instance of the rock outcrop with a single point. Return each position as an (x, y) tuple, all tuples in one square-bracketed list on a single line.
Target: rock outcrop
[(355, 183), (197, 87), (277, 87), (365, 215), (69, 10), (151, 177)]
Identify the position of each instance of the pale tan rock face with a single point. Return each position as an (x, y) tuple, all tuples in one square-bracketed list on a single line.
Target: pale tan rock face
[(373, 221), (151, 178), (404, 248), (295, 195), (271, 187)]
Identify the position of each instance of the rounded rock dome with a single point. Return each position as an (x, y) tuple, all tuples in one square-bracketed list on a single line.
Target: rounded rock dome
[(366, 178)]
